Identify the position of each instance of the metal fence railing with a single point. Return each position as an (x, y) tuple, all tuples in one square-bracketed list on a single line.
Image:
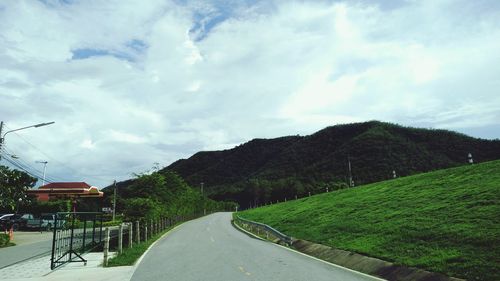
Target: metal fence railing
[(263, 230), (74, 234)]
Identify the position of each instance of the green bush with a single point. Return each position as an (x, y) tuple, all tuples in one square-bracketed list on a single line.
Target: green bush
[(4, 240)]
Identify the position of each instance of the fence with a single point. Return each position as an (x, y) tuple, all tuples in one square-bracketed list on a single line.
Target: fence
[(263, 230), (128, 234), (79, 232), (74, 234)]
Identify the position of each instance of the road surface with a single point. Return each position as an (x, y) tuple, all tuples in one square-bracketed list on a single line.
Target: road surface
[(211, 249), (28, 245)]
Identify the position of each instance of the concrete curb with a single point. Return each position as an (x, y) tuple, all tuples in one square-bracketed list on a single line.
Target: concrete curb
[(138, 261), (360, 263), (304, 254), (369, 265)]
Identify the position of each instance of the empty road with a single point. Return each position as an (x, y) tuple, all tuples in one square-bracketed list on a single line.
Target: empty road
[(211, 249), (29, 245)]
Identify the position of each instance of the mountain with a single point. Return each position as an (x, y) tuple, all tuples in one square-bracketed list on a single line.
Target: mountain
[(264, 170)]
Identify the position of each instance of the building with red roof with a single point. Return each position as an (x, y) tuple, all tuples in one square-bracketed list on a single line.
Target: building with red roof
[(65, 190)]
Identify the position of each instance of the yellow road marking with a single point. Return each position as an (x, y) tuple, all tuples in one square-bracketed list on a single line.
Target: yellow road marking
[(244, 271)]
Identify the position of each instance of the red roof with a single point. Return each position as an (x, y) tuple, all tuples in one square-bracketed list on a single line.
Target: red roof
[(66, 185), (68, 189)]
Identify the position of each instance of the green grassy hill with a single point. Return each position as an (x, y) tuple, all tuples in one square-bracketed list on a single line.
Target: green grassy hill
[(445, 221)]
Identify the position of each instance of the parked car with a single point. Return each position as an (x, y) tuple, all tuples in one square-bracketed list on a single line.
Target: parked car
[(45, 221), (16, 221)]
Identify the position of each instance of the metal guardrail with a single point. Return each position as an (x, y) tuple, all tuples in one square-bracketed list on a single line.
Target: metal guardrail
[(266, 229)]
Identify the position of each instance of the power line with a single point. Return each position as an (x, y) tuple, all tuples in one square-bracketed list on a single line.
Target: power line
[(94, 177), (13, 163), (26, 165), (19, 165)]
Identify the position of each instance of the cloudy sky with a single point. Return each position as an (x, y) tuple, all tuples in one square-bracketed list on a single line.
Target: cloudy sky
[(131, 83)]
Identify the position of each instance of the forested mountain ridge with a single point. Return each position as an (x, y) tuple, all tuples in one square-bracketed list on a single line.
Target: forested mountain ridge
[(264, 170)]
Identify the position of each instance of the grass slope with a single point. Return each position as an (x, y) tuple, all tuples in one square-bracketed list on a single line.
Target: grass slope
[(445, 221)]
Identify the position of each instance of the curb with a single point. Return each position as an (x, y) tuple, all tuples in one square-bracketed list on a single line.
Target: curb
[(369, 265), (151, 246), (136, 264), (304, 254), (354, 262)]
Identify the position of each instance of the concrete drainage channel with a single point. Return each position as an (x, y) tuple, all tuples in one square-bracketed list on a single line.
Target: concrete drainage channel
[(350, 260)]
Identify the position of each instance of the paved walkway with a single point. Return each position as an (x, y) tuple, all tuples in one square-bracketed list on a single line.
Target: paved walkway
[(39, 269)]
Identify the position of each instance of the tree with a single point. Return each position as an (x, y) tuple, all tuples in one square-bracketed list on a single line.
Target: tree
[(13, 184)]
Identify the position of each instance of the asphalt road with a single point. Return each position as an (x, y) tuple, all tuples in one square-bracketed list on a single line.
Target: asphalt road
[(210, 248), (36, 244)]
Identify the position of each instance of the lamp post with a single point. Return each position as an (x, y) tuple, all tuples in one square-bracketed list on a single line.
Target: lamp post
[(2, 137), (44, 167)]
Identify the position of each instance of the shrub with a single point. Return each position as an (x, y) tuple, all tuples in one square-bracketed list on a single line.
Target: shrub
[(4, 240)]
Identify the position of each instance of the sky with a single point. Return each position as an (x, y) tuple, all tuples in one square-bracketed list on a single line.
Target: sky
[(134, 83)]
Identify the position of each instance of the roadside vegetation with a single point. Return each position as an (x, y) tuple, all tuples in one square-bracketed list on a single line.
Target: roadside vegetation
[(130, 255), (5, 241), (444, 221)]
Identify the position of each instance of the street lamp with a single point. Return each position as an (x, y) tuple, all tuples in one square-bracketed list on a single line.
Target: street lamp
[(44, 168), (2, 137)]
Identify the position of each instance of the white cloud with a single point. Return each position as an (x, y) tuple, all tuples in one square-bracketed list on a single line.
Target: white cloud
[(161, 90)]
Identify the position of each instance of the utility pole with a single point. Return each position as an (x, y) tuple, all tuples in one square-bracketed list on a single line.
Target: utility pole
[(350, 172), (114, 200), (1, 139), (201, 187), (44, 168)]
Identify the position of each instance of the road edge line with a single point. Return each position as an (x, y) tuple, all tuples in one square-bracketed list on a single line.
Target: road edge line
[(314, 258), (139, 260)]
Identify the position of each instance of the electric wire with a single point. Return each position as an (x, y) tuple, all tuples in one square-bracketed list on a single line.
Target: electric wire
[(24, 168), (93, 177), (13, 163), (27, 166)]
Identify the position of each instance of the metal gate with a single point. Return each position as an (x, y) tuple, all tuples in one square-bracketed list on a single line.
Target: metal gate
[(75, 233)]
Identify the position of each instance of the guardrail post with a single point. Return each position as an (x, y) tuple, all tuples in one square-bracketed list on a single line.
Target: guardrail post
[(106, 246), (138, 233), (120, 238)]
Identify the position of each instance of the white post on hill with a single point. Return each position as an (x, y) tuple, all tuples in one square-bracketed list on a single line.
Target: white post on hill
[(469, 158)]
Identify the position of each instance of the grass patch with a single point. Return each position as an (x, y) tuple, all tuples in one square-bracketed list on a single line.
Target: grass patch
[(5, 241), (130, 255), (9, 244), (444, 221)]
